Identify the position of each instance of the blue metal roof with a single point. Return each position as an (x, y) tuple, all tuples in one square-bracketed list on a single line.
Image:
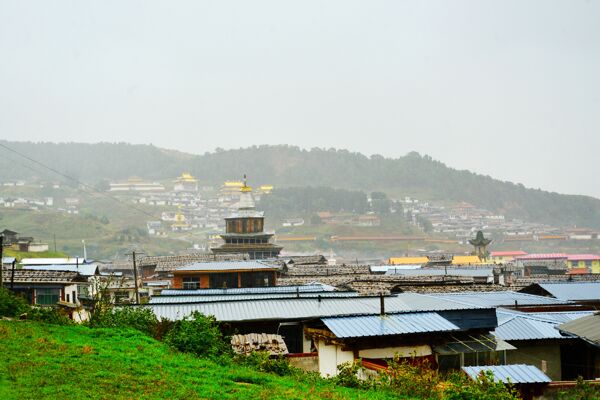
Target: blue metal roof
[(311, 288), (227, 265), (83, 269), (8, 260), (514, 325), (573, 290), (306, 308), (238, 297), (498, 299), (394, 324), (518, 373)]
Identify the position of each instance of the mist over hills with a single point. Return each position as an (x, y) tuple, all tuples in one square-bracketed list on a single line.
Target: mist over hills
[(289, 166)]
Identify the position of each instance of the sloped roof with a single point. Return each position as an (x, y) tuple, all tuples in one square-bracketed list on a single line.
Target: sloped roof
[(587, 328), (85, 269), (41, 276), (497, 299), (249, 265), (517, 373), (395, 324), (572, 290)]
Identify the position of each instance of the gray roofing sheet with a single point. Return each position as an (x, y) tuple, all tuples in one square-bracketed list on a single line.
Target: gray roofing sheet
[(238, 297), (84, 269), (226, 265), (314, 288), (521, 328), (517, 373), (8, 260), (587, 328), (497, 299), (573, 290), (294, 308), (394, 324), (472, 272)]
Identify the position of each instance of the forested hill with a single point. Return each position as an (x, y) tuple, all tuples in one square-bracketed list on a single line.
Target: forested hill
[(411, 175)]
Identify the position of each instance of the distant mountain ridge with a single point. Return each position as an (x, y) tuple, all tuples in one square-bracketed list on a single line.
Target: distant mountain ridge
[(410, 175)]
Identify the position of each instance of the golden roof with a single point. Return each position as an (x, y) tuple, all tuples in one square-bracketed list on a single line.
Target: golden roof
[(187, 177), (457, 260), (408, 260), (233, 184)]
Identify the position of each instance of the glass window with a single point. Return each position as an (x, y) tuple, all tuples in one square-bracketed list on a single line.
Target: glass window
[(223, 280), (47, 297), (191, 282)]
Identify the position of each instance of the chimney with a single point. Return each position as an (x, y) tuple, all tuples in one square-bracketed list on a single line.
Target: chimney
[(381, 304)]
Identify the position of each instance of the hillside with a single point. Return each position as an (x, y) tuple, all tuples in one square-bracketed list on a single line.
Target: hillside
[(285, 166), (47, 362)]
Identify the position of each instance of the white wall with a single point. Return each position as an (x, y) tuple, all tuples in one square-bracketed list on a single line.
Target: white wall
[(330, 356)]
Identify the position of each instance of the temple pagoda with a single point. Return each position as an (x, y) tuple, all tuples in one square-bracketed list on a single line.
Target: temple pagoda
[(244, 230), (480, 243)]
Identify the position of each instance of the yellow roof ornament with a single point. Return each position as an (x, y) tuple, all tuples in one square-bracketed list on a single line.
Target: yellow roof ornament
[(245, 188)]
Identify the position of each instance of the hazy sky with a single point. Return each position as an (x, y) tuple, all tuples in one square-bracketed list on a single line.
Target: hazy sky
[(505, 88)]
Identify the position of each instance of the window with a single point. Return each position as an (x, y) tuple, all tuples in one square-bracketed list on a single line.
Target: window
[(223, 280), (191, 282), (257, 279), (47, 297)]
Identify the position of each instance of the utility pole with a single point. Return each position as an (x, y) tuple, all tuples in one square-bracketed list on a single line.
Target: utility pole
[(1, 261), (55, 242), (135, 278), (12, 276)]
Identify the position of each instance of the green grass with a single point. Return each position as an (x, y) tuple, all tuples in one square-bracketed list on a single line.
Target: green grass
[(40, 361)]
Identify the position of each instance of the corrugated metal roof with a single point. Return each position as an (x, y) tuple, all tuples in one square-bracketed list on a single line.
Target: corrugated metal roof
[(226, 265), (313, 288), (497, 299), (545, 256), (573, 290), (514, 325), (8, 260), (518, 373), (385, 268), (85, 269), (587, 328), (394, 324), (239, 297), (303, 308), (452, 271), (53, 261)]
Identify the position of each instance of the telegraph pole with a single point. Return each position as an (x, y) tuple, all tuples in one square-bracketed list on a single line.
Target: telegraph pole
[(12, 277), (1, 261), (135, 278)]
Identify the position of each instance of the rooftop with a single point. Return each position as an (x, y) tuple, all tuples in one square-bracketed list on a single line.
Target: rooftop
[(587, 328), (250, 265), (517, 373), (498, 299), (84, 269), (570, 291), (41, 276), (395, 324)]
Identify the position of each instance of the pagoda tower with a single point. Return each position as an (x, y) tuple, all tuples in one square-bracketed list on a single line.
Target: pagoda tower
[(244, 230), (480, 243)]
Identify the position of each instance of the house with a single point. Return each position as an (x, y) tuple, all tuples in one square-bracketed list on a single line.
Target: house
[(408, 260), (588, 330), (466, 260), (340, 328), (225, 274), (502, 257), (591, 262), (44, 287), (10, 237), (186, 183)]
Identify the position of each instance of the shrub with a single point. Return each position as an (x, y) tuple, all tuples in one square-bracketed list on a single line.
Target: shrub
[(11, 305), (198, 334), (48, 315), (142, 319), (262, 361), (348, 374)]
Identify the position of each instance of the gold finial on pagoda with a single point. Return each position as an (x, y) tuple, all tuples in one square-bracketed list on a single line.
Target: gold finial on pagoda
[(245, 188)]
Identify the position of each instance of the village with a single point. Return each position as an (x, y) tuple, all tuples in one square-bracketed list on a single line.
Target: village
[(530, 318)]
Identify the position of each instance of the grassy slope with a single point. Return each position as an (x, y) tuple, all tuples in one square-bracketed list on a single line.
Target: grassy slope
[(76, 362)]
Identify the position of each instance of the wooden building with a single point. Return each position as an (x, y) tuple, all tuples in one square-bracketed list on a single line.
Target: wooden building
[(225, 274)]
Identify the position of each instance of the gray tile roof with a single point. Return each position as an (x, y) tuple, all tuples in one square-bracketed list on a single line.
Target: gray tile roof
[(472, 272), (518, 373), (394, 324), (41, 276), (316, 287), (228, 265)]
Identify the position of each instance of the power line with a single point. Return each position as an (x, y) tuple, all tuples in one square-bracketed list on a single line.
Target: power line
[(85, 185)]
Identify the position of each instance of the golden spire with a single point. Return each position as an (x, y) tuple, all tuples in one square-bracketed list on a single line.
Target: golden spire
[(245, 188)]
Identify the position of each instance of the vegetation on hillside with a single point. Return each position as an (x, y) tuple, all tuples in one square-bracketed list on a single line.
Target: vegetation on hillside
[(285, 166)]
